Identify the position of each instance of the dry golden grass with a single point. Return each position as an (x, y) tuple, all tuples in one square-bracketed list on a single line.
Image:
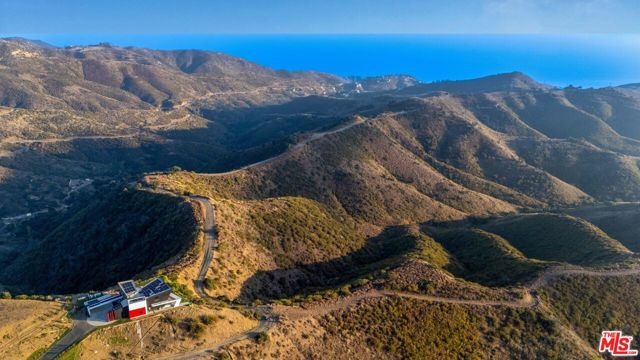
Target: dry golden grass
[(396, 328), (305, 338), (27, 326), (236, 259), (165, 334)]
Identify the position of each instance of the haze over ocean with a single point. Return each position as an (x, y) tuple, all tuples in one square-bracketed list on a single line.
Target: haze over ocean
[(561, 60)]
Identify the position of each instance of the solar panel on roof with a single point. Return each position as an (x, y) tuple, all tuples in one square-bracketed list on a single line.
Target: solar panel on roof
[(128, 287), (152, 284), (154, 287), (102, 300), (92, 302)]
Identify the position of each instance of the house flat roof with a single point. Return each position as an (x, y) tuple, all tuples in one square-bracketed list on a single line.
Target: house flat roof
[(128, 288)]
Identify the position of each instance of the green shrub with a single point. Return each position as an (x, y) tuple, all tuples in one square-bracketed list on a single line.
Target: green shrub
[(118, 340), (345, 290), (208, 319), (592, 304), (361, 282), (210, 284), (262, 337), (193, 327), (37, 355), (170, 319), (179, 289)]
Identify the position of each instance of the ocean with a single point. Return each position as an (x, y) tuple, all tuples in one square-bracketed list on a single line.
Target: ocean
[(561, 60)]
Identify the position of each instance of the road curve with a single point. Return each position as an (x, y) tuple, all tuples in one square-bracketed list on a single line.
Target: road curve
[(210, 242)]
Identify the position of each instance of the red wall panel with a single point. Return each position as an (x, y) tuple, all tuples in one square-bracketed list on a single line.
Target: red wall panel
[(137, 312)]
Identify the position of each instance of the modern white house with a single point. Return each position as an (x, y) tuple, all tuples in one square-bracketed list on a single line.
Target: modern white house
[(132, 301)]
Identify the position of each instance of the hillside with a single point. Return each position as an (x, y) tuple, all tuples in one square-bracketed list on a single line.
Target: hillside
[(106, 112), (487, 258), (513, 81), (591, 304), (281, 247), (559, 238), (118, 236), (616, 106), (396, 328), (616, 220), (414, 161), (29, 327), (604, 174), (109, 78)]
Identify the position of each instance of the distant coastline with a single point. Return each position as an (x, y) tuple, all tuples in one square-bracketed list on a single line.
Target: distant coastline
[(579, 60)]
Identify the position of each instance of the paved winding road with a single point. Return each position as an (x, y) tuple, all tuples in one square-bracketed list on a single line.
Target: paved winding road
[(210, 242)]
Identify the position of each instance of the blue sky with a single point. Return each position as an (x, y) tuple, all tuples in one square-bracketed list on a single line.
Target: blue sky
[(318, 17)]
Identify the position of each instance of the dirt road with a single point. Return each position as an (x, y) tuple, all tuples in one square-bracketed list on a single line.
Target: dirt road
[(206, 353), (556, 272), (72, 138), (299, 145), (530, 298)]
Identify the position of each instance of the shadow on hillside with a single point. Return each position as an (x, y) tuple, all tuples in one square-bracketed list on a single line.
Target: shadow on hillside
[(466, 222), (120, 234), (378, 252)]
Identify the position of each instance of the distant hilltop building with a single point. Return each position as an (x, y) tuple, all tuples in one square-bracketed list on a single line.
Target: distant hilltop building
[(132, 301)]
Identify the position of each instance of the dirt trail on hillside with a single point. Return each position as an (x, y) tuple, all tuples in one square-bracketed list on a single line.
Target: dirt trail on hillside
[(299, 145), (71, 138), (530, 298), (296, 312), (206, 352), (557, 272)]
